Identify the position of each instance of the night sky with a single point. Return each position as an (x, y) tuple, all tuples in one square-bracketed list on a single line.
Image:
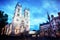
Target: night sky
[(38, 10)]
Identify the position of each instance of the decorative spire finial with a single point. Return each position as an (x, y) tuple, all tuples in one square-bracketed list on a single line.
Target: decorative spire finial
[(48, 16), (18, 4)]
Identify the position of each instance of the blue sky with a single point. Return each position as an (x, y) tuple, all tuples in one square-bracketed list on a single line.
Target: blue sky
[(38, 10)]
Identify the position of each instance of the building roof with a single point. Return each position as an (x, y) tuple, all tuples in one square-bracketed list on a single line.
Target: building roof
[(44, 23), (48, 22)]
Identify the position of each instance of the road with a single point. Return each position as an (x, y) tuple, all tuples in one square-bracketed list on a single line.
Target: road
[(26, 38)]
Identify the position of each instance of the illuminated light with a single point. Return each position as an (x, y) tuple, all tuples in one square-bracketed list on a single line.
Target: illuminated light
[(32, 32), (46, 34), (17, 30), (38, 35), (9, 32), (27, 28), (2, 31), (57, 33), (17, 27), (22, 29), (53, 35), (42, 34), (33, 35)]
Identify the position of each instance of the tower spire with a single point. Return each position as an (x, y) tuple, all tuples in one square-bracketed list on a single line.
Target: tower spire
[(18, 4), (27, 18), (48, 16), (18, 9)]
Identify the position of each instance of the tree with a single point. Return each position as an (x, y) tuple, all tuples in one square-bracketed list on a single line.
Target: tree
[(3, 20)]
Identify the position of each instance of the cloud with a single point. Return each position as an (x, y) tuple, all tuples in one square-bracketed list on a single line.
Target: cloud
[(34, 27), (37, 21), (38, 10)]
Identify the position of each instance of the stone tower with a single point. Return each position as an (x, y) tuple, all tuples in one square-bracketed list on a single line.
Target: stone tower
[(20, 23), (17, 18), (27, 19), (17, 15)]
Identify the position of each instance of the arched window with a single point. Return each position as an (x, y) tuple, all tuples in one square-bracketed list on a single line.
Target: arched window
[(17, 14), (18, 9)]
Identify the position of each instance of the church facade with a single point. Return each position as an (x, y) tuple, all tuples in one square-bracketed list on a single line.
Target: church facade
[(20, 22)]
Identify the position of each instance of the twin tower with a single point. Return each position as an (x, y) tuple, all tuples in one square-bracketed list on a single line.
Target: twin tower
[(20, 23)]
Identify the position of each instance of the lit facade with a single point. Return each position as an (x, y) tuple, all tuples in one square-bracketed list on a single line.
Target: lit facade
[(20, 23), (52, 26)]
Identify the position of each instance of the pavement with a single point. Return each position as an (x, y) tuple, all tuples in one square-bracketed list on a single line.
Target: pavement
[(4, 37)]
